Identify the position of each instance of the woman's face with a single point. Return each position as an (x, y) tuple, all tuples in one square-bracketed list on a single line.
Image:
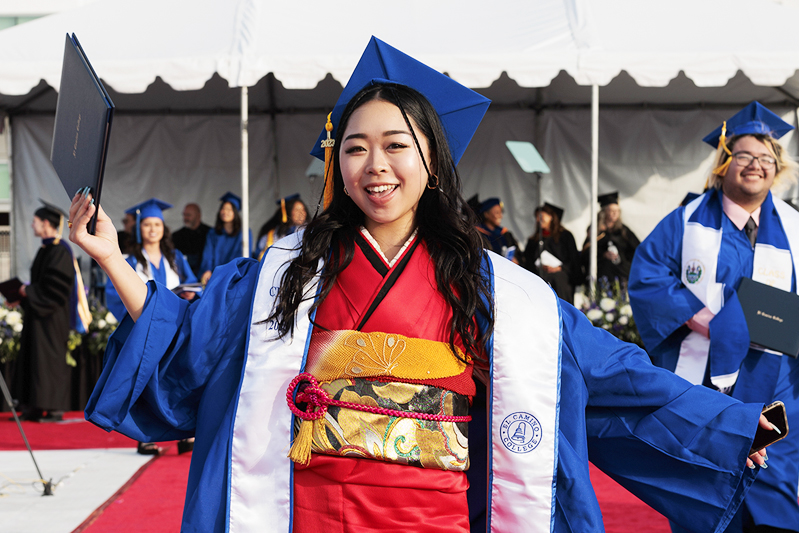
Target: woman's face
[(381, 167), (298, 214), (612, 214), (544, 219), (227, 213), (152, 230)]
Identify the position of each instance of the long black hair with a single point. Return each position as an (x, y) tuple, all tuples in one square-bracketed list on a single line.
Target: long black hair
[(443, 220), (166, 246), (219, 227)]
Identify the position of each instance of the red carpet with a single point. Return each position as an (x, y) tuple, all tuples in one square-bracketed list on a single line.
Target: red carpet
[(153, 499)]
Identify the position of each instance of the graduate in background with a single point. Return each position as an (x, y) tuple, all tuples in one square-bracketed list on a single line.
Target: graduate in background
[(552, 253), (291, 215), (360, 339), (616, 243), (223, 243), (152, 254), (683, 294), (496, 238)]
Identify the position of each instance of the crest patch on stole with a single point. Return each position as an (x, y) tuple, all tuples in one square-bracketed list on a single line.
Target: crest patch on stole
[(520, 432), (694, 271)]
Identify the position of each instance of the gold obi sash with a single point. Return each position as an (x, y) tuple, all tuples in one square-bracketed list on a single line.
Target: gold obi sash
[(409, 423)]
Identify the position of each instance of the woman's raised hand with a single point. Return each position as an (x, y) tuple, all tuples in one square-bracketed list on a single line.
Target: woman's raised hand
[(103, 244)]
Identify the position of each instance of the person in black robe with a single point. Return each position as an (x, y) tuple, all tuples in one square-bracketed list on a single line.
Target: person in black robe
[(190, 239), (551, 252), (42, 377), (616, 243)]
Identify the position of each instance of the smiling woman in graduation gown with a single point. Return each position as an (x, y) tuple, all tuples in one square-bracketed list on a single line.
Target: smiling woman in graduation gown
[(382, 342), (223, 242), (171, 268)]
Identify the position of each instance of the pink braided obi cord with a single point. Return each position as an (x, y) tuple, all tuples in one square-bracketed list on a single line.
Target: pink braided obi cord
[(317, 400)]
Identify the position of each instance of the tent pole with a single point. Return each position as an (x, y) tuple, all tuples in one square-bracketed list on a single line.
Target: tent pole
[(245, 174), (12, 255), (594, 179)]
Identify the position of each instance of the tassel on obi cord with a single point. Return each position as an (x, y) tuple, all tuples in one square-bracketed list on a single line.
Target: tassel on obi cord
[(328, 144), (317, 400)]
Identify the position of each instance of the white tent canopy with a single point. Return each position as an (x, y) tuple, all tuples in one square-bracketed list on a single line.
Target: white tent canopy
[(668, 73)]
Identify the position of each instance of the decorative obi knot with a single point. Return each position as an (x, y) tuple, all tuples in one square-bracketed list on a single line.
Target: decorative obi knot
[(310, 402)]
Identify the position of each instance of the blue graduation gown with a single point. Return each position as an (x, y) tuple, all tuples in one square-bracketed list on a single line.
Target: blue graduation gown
[(661, 306), (220, 249), (114, 303), (175, 373)]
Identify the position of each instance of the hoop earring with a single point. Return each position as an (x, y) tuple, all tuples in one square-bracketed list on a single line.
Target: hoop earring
[(432, 187), (346, 191)]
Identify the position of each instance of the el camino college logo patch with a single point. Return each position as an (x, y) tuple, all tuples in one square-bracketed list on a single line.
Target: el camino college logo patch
[(520, 432), (693, 271)]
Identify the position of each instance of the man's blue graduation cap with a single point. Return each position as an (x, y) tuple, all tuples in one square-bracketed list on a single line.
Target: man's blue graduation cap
[(150, 208), (234, 200), (459, 108), (754, 119)]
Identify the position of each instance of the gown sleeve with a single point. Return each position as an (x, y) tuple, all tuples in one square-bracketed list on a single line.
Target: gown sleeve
[(680, 448), (184, 270), (655, 279), (176, 359)]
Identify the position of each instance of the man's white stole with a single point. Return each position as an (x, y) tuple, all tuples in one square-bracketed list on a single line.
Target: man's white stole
[(701, 245), (523, 408)]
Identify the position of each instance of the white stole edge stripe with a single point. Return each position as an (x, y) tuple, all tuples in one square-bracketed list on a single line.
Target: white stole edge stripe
[(789, 218), (260, 471), (525, 379)]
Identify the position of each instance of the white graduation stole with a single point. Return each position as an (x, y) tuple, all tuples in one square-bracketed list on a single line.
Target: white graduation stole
[(523, 408), (701, 246), (172, 278)]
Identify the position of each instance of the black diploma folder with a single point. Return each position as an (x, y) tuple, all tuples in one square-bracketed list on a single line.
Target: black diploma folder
[(772, 316), (82, 126), (10, 290)]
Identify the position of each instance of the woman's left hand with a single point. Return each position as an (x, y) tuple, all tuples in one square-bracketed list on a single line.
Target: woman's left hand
[(187, 295), (760, 456)]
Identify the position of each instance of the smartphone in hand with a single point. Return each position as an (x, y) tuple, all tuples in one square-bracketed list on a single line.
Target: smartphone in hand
[(774, 413)]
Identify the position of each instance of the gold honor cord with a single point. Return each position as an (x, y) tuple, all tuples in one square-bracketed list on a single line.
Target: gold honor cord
[(328, 144)]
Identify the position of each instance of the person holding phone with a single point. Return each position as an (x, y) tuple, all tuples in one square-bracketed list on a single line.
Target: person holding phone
[(357, 344), (682, 291)]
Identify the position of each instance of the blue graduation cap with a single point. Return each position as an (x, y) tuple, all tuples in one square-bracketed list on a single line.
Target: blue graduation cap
[(232, 198), (485, 205), (459, 108), (148, 209), (754, 119)]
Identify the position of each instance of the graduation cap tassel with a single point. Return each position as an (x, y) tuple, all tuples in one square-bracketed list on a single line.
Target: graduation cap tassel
[(283, 210), (328, 144), (721, 170)]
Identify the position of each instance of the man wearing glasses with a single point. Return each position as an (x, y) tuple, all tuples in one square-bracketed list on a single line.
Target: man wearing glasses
[(683, 285)]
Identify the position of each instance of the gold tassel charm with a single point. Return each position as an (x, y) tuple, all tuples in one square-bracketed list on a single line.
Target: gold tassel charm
[(315, 399), (721, 170), (328, 144), (300, 451)]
